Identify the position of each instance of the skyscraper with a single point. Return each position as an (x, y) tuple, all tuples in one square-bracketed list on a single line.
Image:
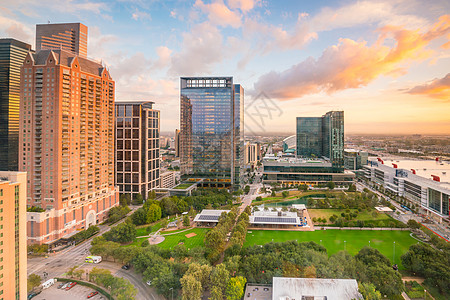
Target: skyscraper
[(13, 235), (322, 136), (211, 133), (137, 147), (12, 55), (71, 37), (66, 143), (177, 143)]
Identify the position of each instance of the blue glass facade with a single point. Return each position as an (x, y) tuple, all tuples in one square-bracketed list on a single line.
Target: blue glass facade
[(322, 136), (211, 136)]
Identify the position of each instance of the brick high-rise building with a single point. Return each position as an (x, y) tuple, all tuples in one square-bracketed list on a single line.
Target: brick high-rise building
[(12, 55), (66, 143), (137, 147), (70, 37), (13, 235)]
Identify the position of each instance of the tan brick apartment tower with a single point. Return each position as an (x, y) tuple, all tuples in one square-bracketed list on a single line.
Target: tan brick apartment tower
[(137, 147), (71, 37), (13, 235), (66, 143)]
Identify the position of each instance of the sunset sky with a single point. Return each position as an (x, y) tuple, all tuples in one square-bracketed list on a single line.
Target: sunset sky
[(385, 63)]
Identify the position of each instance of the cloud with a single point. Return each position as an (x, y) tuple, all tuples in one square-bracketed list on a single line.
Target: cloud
[(219, 14), (139, 14), (378, 13), (438, 88), (164, 58), (17, 30), (200, 50), (267, 37), (243, 5), (352, 64)]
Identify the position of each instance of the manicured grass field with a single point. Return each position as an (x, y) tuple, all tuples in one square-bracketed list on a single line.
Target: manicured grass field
[(364, 215), (333, 240), (173, 240)]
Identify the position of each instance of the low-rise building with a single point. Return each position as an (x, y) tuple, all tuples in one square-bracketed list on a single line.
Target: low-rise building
[(302, 170), (425, 183), (355, 159), (167, 180)]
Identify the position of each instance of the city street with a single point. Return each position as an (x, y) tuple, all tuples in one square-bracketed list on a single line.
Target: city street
[(58, 263)]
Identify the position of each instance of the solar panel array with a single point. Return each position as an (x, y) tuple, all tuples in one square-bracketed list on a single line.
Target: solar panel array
[(275, 220), (208, 218)]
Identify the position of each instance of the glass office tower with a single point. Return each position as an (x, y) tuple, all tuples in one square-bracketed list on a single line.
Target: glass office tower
[(333, 138), (211, 124), (12, 55), (309, 137), (322, 137)]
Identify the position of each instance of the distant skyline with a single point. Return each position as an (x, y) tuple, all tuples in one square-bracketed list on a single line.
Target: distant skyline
[(385, 63)]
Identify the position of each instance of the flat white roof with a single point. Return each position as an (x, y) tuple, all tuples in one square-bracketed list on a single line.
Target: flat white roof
[(383, 208), (333, 289), (209, 215), (423, 168)]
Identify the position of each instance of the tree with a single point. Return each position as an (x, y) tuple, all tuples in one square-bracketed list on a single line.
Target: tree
[(151, 195), (33, 281), (351, 188), (122, 233), (148, 229), (164, 223), (191, 288), (153, 213), (139, 217), (368, 291), (331, 185), (247, 189), (235, 288), (138, 199), (186, 221), (303, 187), (413, 224), (125, 199), (216, 294), (220, 278), (285, 194)]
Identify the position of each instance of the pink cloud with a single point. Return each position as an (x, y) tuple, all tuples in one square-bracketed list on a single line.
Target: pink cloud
[(219, 14), (438, 88), (352, 64)]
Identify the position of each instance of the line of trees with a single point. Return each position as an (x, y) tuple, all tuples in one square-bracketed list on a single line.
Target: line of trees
[(215, 238), (239, 233)]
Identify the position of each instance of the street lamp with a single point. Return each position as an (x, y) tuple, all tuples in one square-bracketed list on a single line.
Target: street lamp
[(393, 256), (172, 291)]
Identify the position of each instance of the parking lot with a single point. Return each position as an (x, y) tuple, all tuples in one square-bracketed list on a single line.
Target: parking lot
[(77, 292)]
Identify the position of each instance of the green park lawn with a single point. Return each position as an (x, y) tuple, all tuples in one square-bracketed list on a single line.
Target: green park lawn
[(364, 215), (333, 240), (183, 186), (173, 239)]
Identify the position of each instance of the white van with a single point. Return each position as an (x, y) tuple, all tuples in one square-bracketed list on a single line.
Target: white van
[(48, 283), (93, 259)]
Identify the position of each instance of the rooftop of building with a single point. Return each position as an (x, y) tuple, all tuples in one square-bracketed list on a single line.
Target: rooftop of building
[(283, 160), (15, 43), (65, 58), (330, 289), (133, 102), (422, 168), (210, 215)]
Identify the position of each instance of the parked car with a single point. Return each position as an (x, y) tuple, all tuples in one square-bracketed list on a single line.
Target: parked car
[(126, 267), (92, 294), (149, 282), (61, 285), (32, 295), (71, 286), (66, 284)]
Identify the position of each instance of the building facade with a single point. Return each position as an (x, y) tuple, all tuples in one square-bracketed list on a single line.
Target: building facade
[(168, 180), (299, 171), (177, 143), (12, 55), (137, 147), (355, 159), (322, 137), (423, 183), (71, 37), (13, 235), (211, 133), (66, 143), (250, 154)]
